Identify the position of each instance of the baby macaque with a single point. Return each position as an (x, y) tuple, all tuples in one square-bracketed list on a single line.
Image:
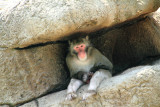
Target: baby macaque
[(86, 65)]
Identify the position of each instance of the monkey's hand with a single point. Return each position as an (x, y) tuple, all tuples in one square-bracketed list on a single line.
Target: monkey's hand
[(71, 96), (87, 76)]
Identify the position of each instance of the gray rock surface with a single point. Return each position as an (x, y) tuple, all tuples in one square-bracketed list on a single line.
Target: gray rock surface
[(136, 87), (131, 44), (29, 73), (155, 16), (4, 105), (28, 22)]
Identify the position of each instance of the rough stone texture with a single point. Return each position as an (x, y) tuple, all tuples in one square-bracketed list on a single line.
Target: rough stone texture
[(130, 44), (4, 105), (29, 22), (136, 87), (32, 104), (155, 16), (29, 73)]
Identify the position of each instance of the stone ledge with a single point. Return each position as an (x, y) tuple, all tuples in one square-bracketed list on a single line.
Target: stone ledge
[(29, 22), (136, 87)]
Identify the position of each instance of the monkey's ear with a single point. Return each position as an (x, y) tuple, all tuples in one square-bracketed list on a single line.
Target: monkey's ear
[(87, 38), (69, 42)]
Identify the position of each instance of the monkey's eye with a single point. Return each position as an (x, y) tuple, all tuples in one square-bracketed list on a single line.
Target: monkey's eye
[(82, 45), (77, 47)]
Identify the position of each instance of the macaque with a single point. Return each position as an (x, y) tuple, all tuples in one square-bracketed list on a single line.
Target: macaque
[(87, 66)]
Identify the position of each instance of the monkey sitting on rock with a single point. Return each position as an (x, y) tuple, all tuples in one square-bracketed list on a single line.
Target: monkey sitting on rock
[(86, 65)]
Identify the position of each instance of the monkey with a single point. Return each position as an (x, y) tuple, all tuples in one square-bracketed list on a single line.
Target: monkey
[(87, 66)]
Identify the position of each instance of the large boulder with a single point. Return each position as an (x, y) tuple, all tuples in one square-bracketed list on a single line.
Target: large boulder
[(30, 73), (29, 22), (137, 87), (155, 17), (132, 43)]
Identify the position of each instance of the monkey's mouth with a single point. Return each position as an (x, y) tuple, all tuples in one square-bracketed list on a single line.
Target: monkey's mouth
[(82, 56)]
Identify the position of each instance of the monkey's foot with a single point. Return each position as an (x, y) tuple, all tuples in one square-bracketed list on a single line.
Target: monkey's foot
[(88, 94), (71, 96)]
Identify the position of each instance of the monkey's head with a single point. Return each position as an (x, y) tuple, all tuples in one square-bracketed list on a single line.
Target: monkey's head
[(79, 47)]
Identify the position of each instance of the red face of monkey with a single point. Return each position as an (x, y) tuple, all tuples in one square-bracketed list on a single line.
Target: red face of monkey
[(81, 51)]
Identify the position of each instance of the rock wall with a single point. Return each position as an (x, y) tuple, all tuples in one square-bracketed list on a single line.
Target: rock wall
[(135, 87), (129, 45), (28, 22), (29, 73)]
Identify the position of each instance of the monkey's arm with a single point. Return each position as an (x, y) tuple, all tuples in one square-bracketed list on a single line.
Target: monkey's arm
[(71, 65), (102, 62)]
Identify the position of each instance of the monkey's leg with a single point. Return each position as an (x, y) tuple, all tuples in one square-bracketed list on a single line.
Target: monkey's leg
[(95, 81), (72, 88)]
